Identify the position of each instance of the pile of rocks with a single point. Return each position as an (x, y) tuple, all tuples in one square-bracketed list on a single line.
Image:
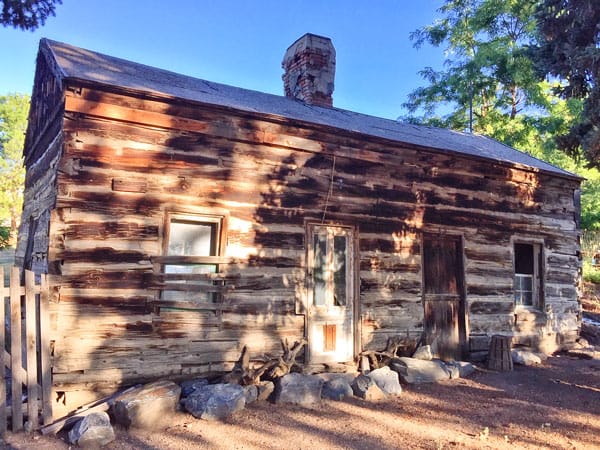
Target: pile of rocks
[(216, 401), (148, 405)]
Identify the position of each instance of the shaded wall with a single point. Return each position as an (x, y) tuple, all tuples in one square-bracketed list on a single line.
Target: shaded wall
[(126, 162)]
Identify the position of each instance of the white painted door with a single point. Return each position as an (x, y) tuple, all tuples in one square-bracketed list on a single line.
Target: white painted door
[(330, 294)]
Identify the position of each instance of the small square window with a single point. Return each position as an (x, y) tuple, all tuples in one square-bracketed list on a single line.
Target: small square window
[(191, 238)]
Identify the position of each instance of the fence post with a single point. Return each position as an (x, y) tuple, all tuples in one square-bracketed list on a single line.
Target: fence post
[(46, 370), (31, 347), (16, 363), (3, 359)]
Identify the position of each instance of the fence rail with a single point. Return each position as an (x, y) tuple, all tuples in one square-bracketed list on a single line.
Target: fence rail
[(24, 351)]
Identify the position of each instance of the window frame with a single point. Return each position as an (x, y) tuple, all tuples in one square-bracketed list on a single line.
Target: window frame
[(218, 248), (537, 277)]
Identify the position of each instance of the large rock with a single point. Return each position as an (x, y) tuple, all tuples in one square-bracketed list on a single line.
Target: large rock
[(414, 371), (525, 357), (460, 369), (251, 393), (336, 388), (265, 389), (189, 386), (298, 388), (365, 388), (215, 401), (386, 379), (94, 431), (452, 370), (347, 376), (148, 406), (424, 353)]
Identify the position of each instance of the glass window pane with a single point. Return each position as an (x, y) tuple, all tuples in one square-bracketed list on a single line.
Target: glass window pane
[(519, 282), (339, 270), (527, 283), (319, 270), (191, 268), (191, 238), (523, 289)]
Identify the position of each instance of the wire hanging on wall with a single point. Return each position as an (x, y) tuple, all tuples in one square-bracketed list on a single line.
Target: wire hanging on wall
[(329, 191)]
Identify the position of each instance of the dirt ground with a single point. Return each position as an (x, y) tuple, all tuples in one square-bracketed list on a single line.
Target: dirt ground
[(556, 405)]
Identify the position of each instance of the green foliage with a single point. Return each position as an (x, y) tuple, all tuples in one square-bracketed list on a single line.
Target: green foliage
[(569, 48), (488, 44), (26, 14), (591, 273), (14, 109), (486, 65), (4, 236)]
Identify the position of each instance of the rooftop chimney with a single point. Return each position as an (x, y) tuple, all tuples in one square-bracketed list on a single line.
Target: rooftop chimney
[(309, 70)]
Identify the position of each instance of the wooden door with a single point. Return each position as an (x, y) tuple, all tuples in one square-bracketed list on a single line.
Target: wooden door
[(444, 295), (331, 295)]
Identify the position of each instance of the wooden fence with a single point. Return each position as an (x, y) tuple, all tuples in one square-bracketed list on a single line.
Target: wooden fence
[(25, 352)]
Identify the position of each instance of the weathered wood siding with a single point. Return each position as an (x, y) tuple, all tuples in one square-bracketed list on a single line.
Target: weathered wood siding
[(128, 161), (43, 147)]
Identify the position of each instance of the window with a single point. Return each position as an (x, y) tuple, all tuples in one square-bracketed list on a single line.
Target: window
[(527, 284), (330, 266), (190, 244)]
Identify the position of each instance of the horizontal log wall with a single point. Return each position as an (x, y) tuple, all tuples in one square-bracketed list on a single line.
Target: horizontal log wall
[(129, 161)]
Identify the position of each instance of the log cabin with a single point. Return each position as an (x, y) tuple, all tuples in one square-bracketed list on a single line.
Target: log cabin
[(181, 219)]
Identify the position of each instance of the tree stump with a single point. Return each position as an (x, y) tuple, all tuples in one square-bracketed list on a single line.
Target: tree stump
[(500, 358)]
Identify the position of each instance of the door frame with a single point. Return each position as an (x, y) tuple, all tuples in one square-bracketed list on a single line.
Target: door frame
[(354, 265), (463, 316)]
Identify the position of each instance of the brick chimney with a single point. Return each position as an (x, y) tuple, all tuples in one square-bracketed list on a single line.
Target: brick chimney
[(309, 70)]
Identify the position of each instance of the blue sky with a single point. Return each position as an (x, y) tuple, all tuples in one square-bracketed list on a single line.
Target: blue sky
[(242, 42)]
